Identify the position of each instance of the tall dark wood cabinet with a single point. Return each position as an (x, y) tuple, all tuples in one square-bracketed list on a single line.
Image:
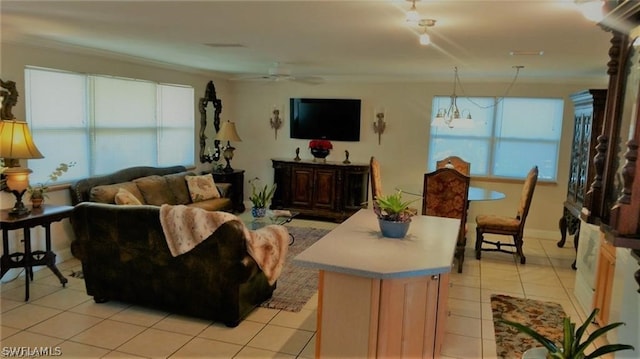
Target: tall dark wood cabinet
[(589, 108), (331, 190)]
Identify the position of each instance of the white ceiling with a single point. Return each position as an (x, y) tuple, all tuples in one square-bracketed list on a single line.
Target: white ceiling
[(338, 40)]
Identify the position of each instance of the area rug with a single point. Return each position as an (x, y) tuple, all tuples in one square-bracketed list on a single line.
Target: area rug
[(544, 317), (296, 285)]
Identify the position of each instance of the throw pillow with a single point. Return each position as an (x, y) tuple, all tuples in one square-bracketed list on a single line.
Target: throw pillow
[(107, 193), (202, 188), (125, 197), (155, 190)]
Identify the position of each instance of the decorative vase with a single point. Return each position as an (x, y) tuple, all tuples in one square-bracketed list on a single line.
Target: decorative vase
[(535, 353), (258, 212), (319, 153), (393, 229), (37, 202)]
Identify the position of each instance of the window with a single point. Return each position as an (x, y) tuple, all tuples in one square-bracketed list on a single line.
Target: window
[(509, 136), (106, 123)]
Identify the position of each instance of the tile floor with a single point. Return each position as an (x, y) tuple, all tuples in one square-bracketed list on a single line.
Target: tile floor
[(69, 319)]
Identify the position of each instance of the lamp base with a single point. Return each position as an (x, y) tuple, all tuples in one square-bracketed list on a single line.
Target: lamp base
[(228, 155), (19, 209)]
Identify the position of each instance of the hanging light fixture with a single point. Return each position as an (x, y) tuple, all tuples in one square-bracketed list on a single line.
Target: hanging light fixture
[(452, 116), (424, 37), (412, 14), (592, 10)]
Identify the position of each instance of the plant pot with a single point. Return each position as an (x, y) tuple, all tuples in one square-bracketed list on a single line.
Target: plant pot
[(319, 153), (258, 212), (392, 229), (37, 202), (535, 353)]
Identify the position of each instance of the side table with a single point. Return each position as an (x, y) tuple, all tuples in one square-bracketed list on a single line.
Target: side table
[(236, 178), (43, 216)]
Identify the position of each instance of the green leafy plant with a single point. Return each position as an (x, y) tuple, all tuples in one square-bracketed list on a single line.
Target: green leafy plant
[(40, 190), (260, 197), (571, 346), (393, 208)]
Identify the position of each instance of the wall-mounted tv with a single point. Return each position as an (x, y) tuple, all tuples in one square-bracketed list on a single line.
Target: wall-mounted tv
[(332, 119)]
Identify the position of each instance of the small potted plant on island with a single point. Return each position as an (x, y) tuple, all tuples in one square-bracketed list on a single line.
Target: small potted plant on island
[(38, 193), (260, 198), (572, 346), (394, 215)]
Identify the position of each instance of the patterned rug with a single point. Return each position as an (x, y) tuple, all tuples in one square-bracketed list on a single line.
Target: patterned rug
[(544, 317), (296, 284)]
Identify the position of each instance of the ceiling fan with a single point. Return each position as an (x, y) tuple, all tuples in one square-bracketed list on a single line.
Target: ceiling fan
[(280, 72)]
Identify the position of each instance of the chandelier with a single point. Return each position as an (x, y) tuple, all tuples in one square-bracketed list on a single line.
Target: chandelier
[(452, 116)]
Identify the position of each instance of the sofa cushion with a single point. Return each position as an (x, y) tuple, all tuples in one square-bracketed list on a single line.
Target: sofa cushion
[(155, 190), (178, 186), (107, 193), (125, 197), (202, 188)]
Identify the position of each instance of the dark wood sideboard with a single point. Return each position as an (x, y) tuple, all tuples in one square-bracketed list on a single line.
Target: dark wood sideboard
[(330, 190), (588, 116)]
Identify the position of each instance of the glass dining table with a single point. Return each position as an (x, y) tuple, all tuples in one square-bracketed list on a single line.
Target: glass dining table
[(475, 193)]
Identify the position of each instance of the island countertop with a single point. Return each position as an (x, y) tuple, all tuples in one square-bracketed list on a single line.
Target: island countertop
[(357, 247)]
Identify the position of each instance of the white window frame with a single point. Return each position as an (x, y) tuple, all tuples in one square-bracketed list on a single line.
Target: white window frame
[(527, 123), (51, 112)]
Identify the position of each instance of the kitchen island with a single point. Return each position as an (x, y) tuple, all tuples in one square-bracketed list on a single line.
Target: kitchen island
[(382, 297)]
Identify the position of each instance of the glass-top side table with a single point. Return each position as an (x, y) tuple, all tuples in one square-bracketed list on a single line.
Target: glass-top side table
[(278, 217)]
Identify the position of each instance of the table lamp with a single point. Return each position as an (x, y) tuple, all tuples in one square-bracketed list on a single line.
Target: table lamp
[(16, 143), (228, 133)]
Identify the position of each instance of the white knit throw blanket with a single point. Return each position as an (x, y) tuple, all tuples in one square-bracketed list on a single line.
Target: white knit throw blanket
[(185, 227)]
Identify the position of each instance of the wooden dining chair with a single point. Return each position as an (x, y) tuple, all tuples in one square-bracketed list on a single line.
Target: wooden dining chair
[(505, 225), (445, 194), (456, 163)]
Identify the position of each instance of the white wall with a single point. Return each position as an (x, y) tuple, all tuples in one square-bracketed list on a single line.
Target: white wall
[(403, 149), (402, 152)]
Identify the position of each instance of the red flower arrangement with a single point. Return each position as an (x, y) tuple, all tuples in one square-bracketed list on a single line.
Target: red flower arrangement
[(320, 144)]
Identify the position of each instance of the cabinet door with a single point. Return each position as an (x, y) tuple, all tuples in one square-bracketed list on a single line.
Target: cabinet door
[(302, 187), (356, 190), (407, 323), (324, 189), (604, 282)]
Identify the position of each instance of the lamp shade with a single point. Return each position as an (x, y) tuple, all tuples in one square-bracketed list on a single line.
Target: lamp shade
[(16, 141), (228, 132)]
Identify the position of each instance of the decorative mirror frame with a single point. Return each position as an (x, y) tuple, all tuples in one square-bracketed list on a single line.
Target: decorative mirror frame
[(209, 96)]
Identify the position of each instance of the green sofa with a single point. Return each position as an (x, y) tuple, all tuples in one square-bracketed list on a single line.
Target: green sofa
[(125, 257)]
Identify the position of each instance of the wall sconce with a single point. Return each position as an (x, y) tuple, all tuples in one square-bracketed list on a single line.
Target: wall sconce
[(379, 125), (275, 120)]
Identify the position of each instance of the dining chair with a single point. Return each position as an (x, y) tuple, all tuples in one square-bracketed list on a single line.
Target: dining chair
[(505, 225), (455, 162), (376, 180), (445, 194)]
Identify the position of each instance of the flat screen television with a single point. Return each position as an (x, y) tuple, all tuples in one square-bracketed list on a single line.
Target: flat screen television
[(320, 118)]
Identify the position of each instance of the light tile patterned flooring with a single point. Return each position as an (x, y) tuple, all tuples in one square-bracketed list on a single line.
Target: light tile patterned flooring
[(69, 319)]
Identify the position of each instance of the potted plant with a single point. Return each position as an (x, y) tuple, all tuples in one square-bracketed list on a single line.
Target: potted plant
[(572, 346), (260, 197), (394, 214), (320, 148), (38, 193)]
